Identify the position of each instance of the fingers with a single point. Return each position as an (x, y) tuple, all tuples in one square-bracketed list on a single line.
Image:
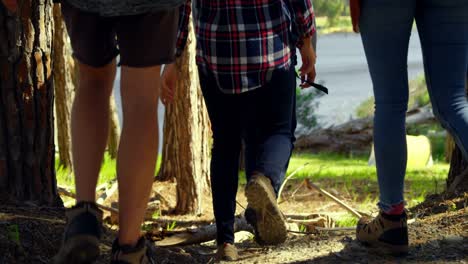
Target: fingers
[(308, 77), (312, 74), (307, 71), (356, 29)]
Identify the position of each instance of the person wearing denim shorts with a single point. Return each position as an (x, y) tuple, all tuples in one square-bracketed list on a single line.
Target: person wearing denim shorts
[(143, 33)]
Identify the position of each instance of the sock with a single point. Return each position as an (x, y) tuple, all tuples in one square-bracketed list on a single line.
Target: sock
[(396, 209)]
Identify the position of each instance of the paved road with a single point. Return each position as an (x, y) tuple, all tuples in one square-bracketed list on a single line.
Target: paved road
[(342, 67)]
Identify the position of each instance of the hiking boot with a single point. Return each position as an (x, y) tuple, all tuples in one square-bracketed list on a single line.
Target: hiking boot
[(143, 253), (227, 252), (263, 212), (82, 233), (386, 233)]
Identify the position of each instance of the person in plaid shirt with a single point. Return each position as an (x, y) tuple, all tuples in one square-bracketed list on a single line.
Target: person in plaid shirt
[(246, 54)]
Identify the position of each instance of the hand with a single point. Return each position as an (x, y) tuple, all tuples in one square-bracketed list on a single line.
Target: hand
[(11, 5), (168, 84), (307, 70), (355, 11)]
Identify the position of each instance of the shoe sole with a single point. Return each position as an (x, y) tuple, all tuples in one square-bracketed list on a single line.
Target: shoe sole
[(271, 225), (79, 250)]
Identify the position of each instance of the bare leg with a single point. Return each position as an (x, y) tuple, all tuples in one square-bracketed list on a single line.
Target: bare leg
[(89, 125), (138, 147)]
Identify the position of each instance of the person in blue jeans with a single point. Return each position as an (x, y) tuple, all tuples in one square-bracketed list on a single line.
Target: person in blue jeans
[(385, 27), (246, 56)]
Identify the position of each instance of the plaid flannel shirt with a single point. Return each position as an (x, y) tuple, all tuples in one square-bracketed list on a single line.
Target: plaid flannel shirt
[(241, 42)]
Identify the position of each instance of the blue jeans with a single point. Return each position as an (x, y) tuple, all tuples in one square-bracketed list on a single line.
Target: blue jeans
[(265, 119), (443, 30)]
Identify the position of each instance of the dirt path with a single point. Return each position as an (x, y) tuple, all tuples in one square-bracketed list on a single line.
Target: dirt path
[(32, 235)]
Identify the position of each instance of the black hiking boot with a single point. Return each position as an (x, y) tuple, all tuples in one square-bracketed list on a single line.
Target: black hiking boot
[(82, 233)]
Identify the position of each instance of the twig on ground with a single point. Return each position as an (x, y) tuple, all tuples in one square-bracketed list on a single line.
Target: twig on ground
[(304, 195), (337, 229), (333, 229), (68, 193), (307, 221), (310, 185), (297, 189), (303, 215), (241, 206), (323, 229), (289, 177), (10, 217), (302, 232)]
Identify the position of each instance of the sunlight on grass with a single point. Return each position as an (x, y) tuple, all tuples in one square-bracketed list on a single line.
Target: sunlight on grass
[(350, 176), (355, 177), (107, 173), (346, 220)]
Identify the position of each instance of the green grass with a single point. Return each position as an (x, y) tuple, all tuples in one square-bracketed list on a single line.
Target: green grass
[(342, 24), (346, 220), (108, 172), (352, 176), (13, 234)]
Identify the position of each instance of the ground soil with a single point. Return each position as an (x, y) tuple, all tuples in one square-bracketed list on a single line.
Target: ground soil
[(439, 234)]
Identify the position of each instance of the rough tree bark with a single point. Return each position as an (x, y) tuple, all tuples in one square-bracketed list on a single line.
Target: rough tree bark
[(114, 130), (26, 105), (64, 83), (187, 133), (458, 168)]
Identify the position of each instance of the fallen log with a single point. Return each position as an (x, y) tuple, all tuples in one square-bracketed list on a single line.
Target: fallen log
[(355, 136), (201, 234), (421, 115)]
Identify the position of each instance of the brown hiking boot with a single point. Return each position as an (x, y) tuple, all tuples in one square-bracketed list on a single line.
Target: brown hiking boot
[(227, 252), (386, 233), (82, 233), (263, 212), (142, 253)]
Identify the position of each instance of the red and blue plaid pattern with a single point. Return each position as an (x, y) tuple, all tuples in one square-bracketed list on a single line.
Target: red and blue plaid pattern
[(241, 42)]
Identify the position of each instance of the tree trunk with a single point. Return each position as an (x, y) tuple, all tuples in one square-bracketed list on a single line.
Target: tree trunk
[(457, 180), (449, 147), (64, 82), (187, 133), (26, 105), (114, 130)]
